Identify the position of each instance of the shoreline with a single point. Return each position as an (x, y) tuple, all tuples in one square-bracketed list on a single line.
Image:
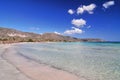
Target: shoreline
[(7, 70), (34, 70)]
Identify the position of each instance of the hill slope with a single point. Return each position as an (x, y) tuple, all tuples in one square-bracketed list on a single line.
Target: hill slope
[(12, 35)]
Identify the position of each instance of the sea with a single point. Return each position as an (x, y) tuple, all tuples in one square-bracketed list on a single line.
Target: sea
[(87, 60)]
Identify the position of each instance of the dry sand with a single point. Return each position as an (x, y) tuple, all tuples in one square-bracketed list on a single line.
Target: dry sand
[(32, 70)]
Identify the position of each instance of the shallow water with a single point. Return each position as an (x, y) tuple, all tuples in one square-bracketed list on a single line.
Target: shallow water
[(91, 61)]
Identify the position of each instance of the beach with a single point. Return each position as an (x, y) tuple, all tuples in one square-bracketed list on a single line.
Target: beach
[(60, 40), (16, 67), (60, 61), (7, 70)]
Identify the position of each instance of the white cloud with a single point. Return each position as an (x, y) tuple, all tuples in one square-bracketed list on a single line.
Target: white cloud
[(34, 28), (70, 11), (80, 10), (88, 8), (89, 27), (57, 33), (78, 22), (108, 4), (73, 31)]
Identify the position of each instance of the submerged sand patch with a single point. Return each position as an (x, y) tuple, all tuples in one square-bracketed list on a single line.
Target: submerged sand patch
[(34, 70), (7, 70)]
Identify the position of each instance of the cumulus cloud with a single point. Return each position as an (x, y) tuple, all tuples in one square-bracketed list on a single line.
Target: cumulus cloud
[(80, 10), (88, 8), (108, 4), (57, 33), (73, 31), (78, 22), (70, 11)]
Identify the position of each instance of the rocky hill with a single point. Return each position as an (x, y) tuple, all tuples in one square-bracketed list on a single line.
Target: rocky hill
[(11, 35)]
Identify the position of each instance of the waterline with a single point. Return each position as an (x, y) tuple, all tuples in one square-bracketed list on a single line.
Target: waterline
[(93, 61)]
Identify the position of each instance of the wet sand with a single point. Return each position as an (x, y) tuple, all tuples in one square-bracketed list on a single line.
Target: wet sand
[(7, 70), (33, 70)]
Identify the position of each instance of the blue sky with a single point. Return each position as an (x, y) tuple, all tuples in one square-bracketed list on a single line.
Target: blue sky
[(78, 18)]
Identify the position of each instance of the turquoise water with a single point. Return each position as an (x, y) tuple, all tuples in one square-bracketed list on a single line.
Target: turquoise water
[(91, 61)]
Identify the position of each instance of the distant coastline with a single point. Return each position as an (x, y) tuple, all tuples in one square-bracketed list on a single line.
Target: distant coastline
[(14, 36)]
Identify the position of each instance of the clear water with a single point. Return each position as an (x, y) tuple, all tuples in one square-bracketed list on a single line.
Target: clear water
[(91, 61), (1, 50)]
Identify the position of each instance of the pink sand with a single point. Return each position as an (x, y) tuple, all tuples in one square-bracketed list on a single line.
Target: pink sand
[(34, 70)]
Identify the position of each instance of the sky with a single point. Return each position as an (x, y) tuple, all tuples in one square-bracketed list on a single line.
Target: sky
[(77, 18)]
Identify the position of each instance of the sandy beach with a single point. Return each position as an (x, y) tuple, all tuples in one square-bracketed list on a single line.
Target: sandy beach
[(7, 70), (16, 67)]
